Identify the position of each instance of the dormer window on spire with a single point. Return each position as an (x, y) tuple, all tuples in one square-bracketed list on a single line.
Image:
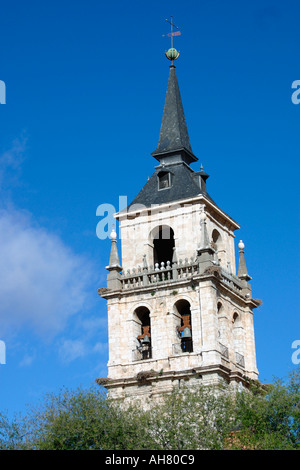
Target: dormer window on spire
[(164, 180)]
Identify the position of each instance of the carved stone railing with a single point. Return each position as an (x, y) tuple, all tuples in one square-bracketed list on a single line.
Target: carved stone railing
[(231, 280), (167, 272), (240, 360), (139, 355), (224, 351), (177, 349)]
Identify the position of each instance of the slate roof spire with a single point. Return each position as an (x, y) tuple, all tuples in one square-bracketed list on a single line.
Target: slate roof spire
[(174, 139)]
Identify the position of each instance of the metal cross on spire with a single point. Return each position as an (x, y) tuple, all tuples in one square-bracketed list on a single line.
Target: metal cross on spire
[(172, 54)]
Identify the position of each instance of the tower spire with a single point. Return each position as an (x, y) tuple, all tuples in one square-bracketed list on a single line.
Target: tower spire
[(174, 137), (114, 263), (242, 270), (114, 267)]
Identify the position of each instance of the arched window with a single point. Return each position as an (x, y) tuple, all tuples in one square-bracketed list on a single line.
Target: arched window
[(216, 239), (236, 319), (222, 329), (238, 339), (143, 332), (185, 329), (163, 244), (218, 245), (219, 308)]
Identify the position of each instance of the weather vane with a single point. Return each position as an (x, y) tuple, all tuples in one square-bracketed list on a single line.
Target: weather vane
[(172, 54)]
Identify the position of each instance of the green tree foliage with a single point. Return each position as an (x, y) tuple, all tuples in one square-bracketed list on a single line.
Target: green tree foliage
[(80, 419), (12, 432), (269, 417), (190, 419), (202, 418)]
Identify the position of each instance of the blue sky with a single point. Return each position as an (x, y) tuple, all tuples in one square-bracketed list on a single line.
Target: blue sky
[(85, 88)]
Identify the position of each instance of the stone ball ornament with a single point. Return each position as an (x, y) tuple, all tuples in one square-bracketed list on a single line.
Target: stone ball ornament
[(172, 54), (241, 245), (113, 234)]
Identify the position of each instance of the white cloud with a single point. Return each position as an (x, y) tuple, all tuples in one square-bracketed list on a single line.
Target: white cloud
[(10, 164), (42, 282), (100, 347), (70, 350), (27, 360)]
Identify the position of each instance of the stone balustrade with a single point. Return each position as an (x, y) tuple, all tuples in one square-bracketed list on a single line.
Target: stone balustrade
[(167, 272)]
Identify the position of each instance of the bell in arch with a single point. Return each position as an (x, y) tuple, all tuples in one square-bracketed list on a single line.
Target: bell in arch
[(146, 340), (186, 334)]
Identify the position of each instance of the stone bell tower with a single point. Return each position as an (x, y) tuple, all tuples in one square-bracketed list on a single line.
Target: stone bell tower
[(177, 309)]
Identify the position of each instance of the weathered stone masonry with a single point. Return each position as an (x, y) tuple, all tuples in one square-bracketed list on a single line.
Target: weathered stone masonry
[(177, 310)]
